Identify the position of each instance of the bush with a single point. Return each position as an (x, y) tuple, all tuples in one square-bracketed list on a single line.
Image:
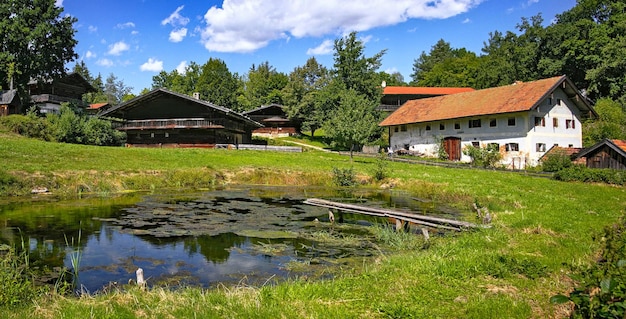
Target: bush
[(556, 162), (29, 125), (380, 169), (344, 176), (483, 156), (601, 292)]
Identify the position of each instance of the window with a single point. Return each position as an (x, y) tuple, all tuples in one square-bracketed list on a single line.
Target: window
[(511, 121), (442, 127), (555, 122), (403, 127), (558, 101), (457, 126), (570, 124), (167, 134), (549, 101), (151, 134), (493, 146), (395, 129), (428, 127), (540, 147), (570, 145), (493, 123), (476, 144), (474, 123), (540, 121), (512, 147)]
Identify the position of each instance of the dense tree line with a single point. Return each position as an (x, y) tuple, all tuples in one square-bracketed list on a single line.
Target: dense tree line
[(587, 43)]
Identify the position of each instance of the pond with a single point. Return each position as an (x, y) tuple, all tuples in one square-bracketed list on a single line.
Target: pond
[(245, 234)]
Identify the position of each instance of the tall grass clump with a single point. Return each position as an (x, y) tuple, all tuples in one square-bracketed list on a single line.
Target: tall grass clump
[(16, 285), (75, 259)]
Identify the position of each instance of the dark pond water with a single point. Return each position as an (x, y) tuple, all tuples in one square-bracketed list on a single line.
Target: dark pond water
[(250, 235)]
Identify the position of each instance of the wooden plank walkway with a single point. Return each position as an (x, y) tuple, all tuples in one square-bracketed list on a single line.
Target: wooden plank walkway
[(401, 219)]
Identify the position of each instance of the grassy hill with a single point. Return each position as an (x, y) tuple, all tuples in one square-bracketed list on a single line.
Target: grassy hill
[(542, 233)]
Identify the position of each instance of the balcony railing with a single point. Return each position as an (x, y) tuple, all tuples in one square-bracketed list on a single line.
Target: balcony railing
[(157, 124), (56, 99)]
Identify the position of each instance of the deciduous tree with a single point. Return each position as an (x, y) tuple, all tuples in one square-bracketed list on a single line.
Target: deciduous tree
[(36, 42)]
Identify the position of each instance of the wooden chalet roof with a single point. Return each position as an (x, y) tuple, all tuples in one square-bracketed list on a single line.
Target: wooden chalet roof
[(9, 97), (72, 78), (119, 110), (618, 145), (264, 107), (412, 90), (512, 98)]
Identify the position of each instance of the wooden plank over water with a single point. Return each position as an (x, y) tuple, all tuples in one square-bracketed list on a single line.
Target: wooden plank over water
[(429, 221)]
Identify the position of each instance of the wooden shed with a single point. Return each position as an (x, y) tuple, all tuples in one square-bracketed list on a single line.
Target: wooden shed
[(606, 154), (9, 102), (162, 118)]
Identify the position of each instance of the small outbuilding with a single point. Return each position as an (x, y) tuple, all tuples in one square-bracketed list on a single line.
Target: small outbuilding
[(162, 118), (605, 154), (275, 121), (9, 102)]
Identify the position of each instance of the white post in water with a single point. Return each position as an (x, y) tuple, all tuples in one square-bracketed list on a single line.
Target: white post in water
[(141, 282)]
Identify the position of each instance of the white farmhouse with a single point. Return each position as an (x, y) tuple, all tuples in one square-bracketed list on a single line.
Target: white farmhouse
[(524, 119)]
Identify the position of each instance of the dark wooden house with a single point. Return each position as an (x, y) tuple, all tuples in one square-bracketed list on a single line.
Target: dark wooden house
[(275, 121), (162, 118), (605, 154), (9, 102), (48, 95), (394, 96)]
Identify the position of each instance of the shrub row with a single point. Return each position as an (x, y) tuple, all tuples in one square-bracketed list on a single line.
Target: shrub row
[(601, 290), (69, 126), (591, 175)]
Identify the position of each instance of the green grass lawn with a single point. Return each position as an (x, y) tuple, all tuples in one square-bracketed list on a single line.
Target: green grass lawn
[(542, 232)]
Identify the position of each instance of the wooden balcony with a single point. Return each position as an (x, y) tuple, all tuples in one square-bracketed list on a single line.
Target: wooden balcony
[(167, 124), (56, 99)]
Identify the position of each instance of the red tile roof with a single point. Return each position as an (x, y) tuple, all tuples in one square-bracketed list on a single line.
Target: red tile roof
[(517, 97), (96, 106), (620, 143), (398, 90)]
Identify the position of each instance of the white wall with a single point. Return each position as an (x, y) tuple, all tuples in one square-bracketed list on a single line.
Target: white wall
[(498, 129)]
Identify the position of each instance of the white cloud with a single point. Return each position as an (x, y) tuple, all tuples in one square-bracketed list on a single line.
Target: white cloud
[(92, 29), (118, 47), (105, 62), (391, 70), (182, 67), (58, 3), (175, 19), (134, 32), (467, 20), (247, 25), (178, 35), (325, 48), (125, 25), (90, 55), (152, 65)]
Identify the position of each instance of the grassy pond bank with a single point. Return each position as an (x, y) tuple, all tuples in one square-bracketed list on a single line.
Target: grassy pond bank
[(543, 232)]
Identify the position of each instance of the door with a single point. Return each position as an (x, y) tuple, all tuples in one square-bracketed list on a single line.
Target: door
[(452, 146)]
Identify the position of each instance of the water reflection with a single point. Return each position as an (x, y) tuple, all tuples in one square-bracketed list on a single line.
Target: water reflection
[(190, 238)]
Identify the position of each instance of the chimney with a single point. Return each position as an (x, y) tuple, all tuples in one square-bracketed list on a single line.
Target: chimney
[(196, 95)]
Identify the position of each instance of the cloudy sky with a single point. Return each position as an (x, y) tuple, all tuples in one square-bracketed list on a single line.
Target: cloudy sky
[(136, 39)]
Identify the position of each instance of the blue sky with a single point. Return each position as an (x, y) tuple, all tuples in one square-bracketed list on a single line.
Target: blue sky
[(135, 39)]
